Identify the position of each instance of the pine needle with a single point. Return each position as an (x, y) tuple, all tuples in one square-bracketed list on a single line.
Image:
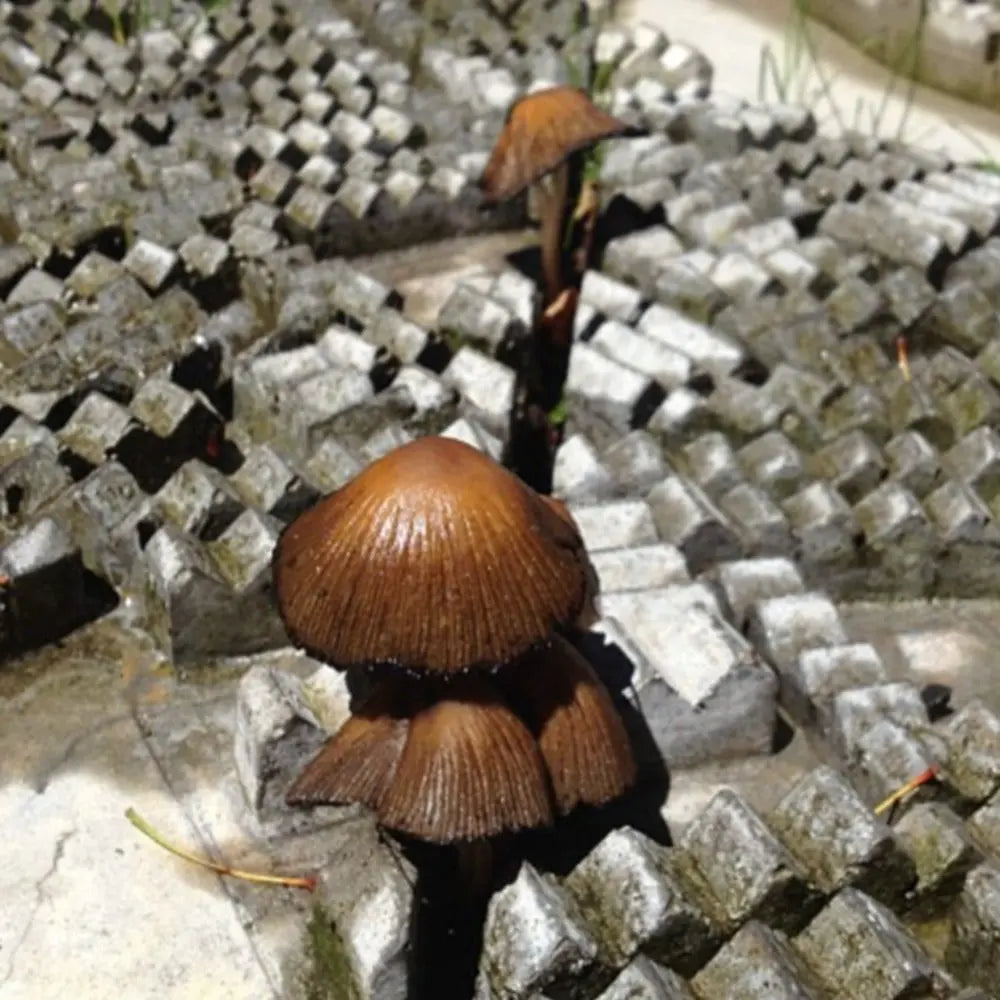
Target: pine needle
[(307, 882), (911, 786)]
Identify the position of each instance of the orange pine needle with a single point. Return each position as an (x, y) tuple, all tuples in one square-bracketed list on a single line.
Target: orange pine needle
[(902, 356), (911, 786), (307, 882)]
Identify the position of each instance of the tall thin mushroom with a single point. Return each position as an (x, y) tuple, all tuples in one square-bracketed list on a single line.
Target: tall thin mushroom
[(542, 132)]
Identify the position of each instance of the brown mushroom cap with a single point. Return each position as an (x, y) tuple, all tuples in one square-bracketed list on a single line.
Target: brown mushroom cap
[(470, 769), (580, 734), (358, 763), (542, 130), (434, 558), (459, 768)]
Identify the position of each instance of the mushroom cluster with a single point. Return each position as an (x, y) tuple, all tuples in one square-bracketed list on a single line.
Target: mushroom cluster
[(439, 572)]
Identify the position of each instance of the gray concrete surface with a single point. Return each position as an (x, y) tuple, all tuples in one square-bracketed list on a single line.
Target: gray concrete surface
[(744, 456)]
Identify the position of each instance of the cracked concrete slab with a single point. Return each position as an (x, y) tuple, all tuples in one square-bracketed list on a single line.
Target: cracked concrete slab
[(89, 903)]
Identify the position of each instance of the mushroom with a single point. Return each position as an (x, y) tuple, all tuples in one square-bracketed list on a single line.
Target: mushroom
[(435, 559), (542, 131), (453, 582)]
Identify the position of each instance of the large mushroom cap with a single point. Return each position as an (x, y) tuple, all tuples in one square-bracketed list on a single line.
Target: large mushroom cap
[(459, 768), (434, 558), (542, 130)]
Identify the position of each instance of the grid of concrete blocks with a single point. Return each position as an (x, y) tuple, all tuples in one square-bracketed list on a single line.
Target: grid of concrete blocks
[(186, 362)]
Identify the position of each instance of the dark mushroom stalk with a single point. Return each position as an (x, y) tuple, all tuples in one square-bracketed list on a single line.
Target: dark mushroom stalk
[(552, 193)]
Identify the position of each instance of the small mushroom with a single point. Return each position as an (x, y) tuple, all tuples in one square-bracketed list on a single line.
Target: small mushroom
[(580, 734), (458, 767), (542, 131), (435, 559)]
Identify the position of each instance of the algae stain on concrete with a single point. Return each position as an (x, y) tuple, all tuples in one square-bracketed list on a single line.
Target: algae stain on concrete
[(327, 974)]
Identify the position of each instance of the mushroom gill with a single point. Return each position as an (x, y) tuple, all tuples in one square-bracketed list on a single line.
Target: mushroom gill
[(434, 558)]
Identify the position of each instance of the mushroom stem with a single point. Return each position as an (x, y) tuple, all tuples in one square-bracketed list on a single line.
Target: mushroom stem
[(475, 866), (553, 191)]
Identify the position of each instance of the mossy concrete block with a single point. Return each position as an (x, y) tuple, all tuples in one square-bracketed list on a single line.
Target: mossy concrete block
[(839, 841), (486, 386), (711, 462), (974, 949), (972, 767), (975, 460), (610, 388), (636, 461), (97, 424), (943, 853), (642, 353), (702, 692), (30, 481), (782, 628), (642, 567), (852, 463), (901, 541), (612, 298), (199, 499), (758, 521), (43, 597), (709, 348), (913, 407), (471, 317), (356, 944), (882, 735), (819, 675), (914, 463), (757, 964), (643, 979), (579, 474), (277, 732), (687, 519), (631, 902), (740, 870), (860, 951), (535, 940), (312, 408), (108, 515), (743, 582), (824, 525), (191, 608), (640, 257), (616, 524)]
